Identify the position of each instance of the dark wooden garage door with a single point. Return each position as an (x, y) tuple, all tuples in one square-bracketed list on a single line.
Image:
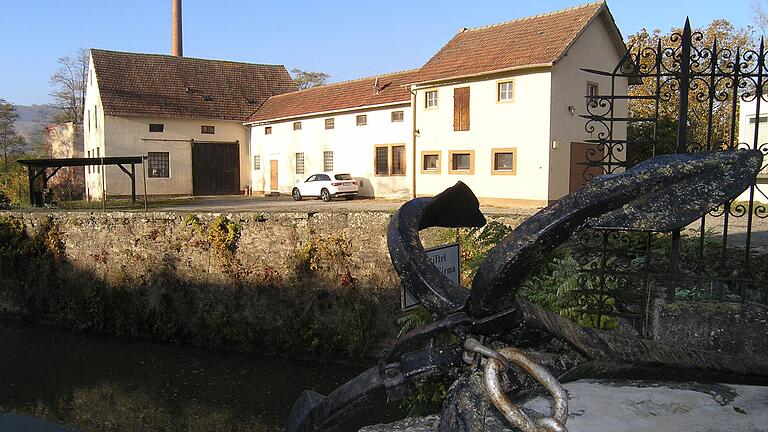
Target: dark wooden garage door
[(215, 168)]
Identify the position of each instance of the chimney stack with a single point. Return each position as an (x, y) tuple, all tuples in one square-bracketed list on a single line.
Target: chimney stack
[(176, 43)]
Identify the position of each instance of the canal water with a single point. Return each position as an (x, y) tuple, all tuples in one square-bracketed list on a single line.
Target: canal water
[(54, 380)]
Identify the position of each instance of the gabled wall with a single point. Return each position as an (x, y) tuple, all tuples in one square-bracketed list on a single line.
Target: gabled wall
[(594, 49), (522, 124)]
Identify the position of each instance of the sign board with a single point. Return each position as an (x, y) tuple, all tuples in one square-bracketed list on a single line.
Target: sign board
[(446, 259)]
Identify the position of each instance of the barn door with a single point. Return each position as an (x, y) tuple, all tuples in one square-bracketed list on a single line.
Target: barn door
[(215, 168), (273, 175), (580, 172)]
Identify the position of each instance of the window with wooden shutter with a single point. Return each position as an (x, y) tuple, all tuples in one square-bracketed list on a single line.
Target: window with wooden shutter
[(461, 109)]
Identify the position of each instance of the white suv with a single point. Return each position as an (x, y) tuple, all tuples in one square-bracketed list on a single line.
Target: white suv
[(326, 186)]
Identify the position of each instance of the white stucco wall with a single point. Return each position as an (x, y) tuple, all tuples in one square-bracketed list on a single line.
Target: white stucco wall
[(352, 146), (522, 124), (746, 137), (130, 136), (93, 133), (594, 50)]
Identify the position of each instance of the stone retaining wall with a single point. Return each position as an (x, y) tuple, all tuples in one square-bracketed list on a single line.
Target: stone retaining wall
[(320, 283)]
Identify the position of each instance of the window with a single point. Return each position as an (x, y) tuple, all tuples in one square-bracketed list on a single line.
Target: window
[(322, 177), (398, 160), (430, 162), (397, 116), (256, 162), (268, 130), (156, 127), (381, 160), (461, 162), (430, 99), (461, 109), (207, 129), (343, 177), (504, 161), (299, 163), (89, 120), (329, 123), (296, 126), (592, 89), (389, 160), (158, 165), (505, 91), (95, 116), (89, 156), (327, 161), (361, 120)]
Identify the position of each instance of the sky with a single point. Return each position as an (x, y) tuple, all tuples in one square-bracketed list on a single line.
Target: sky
[(345, 39)]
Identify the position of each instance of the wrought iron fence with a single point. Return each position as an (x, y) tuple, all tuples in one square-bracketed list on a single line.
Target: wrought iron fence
[(686, 94)]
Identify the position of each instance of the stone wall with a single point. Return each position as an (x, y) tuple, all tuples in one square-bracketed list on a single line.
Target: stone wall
[(321, 283)]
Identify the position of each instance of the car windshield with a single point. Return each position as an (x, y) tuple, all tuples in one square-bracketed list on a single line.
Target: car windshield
[(343, 177)]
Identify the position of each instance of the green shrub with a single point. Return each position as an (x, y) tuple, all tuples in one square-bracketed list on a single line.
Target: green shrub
[(223, 234)]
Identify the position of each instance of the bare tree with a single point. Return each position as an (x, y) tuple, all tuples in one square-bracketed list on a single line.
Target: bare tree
[(9, 140), (759, 15), (305, 80), (68, 85)]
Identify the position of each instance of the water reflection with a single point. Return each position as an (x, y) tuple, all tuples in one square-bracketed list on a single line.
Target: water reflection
[(96, 383)]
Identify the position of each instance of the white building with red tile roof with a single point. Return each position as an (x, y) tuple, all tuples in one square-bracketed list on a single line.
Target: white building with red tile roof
[(497, 108)]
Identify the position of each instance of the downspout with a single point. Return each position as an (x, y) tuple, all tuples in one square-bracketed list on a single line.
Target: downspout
[(414, 134)]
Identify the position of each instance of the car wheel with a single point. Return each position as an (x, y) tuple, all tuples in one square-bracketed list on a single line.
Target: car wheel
[(296, 194), (325, 195), (349, 197)]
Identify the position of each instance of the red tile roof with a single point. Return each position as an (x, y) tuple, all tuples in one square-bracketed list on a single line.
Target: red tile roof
[(536, 40), (338, 96), (156, 85)]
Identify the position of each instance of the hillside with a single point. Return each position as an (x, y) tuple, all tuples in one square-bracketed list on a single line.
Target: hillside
[(32, 120)]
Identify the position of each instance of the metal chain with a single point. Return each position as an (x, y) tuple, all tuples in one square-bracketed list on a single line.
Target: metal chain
[(496, 361)]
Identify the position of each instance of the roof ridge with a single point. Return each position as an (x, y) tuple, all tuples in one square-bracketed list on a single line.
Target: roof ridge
[(347, 82), (465, 29), (184, 57)]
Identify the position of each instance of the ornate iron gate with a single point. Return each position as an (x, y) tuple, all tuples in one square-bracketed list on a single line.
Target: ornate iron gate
[(686, 96)]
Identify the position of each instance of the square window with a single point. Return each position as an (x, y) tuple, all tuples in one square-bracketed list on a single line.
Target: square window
[(397, 116), (327, 161), (506, 91), (156, 127), (461, 162), (296, 126), (268, 130), (158, 165), (330, 123), (256, 162), (299, 163), (430, 99), (207, 129), (389, 160), (361, 120), (430, 162), (504, 161)]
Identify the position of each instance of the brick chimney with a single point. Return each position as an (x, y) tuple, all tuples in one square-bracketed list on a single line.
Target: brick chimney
[(176, 43)]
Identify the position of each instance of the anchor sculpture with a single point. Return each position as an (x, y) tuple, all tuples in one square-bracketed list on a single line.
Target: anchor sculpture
[(665, 193)]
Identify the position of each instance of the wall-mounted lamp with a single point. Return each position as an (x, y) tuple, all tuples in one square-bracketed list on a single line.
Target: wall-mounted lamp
[(571, 110)]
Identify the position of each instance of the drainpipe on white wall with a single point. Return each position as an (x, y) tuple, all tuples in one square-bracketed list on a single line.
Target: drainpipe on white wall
[(414, 133)]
